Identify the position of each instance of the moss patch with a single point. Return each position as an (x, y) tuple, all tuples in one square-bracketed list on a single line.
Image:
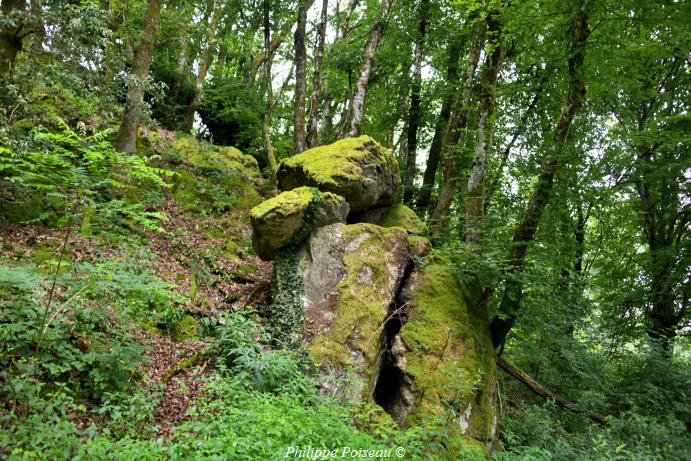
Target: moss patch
[(400, 215), (450, 355), (357, 332), (359, 169)]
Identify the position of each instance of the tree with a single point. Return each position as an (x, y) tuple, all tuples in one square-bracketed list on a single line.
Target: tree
[(414, 112), (300, 77), (127, 135), (205, 60), (439, 217), (435, 149), (475, 194), (312, 134), (358, 101), (11, 33), (525, 231)]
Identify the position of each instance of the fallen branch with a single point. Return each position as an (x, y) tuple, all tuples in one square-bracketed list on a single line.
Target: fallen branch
[(188, 363), (536, 388)]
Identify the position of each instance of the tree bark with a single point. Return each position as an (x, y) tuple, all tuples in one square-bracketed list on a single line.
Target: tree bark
[(268, 59), (537, 389), (400, 103), (300, 78), (453, 135), (127, 136), (440, 129), (205, 61), (313, 131), (414, 112), (375, 36), (11, 37), (475, 192), (525, 231)]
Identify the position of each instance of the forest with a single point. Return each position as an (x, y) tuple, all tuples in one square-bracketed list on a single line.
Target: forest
[(365, 229)]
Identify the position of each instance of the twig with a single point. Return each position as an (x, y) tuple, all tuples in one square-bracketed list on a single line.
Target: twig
[(52, 290)]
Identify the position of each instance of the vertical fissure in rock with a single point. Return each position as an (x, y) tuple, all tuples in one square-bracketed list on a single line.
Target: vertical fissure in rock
[(393, 389)]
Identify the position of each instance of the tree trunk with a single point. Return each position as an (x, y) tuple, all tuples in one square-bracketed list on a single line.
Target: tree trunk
[(456, 127), (205, 61), (525, 232), (375, 36), (11, 37), (300, 78), (520, 129), (475, 192), (312, 136), (127, 136), (440, 129), (414, 113), (268, 59), (400, 103)]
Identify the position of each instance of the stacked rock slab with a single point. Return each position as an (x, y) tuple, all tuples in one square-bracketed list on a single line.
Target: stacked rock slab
[(383, 327), (289, 217), (358, 169)]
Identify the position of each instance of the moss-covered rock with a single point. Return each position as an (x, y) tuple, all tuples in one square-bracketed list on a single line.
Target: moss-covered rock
[(358, 169), (183, 148), (347, 307), (448, 355), (400, 215), (419, 246), (290, 217)]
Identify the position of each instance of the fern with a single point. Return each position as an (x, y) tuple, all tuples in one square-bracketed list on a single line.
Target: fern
[(71, 171)]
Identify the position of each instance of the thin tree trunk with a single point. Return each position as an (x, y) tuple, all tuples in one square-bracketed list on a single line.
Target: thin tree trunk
[(205, 61), (414, 113), (312, 136), (300, 78), (475, 192), (11, 37), (400, 102), (358, 102), (453, 135), (520, 129), (440, 129), (127, 136), (181, 67), (525, 232), (268, 59)]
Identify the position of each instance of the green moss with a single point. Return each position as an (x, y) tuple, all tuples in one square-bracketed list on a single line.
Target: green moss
[(337, 164), (219, 193), (361, 307), (186, 329), (450, 358), (401, 216), (286, 203)]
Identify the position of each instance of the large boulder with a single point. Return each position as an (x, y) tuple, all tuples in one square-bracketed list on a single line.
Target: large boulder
[(289, 217), (334, 297), (413, 339), (358, 169)]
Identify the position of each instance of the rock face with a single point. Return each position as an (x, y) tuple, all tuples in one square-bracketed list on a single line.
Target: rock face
[(345, 329), (289, 218), (445, 354), (401, 216), (358, 169)]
